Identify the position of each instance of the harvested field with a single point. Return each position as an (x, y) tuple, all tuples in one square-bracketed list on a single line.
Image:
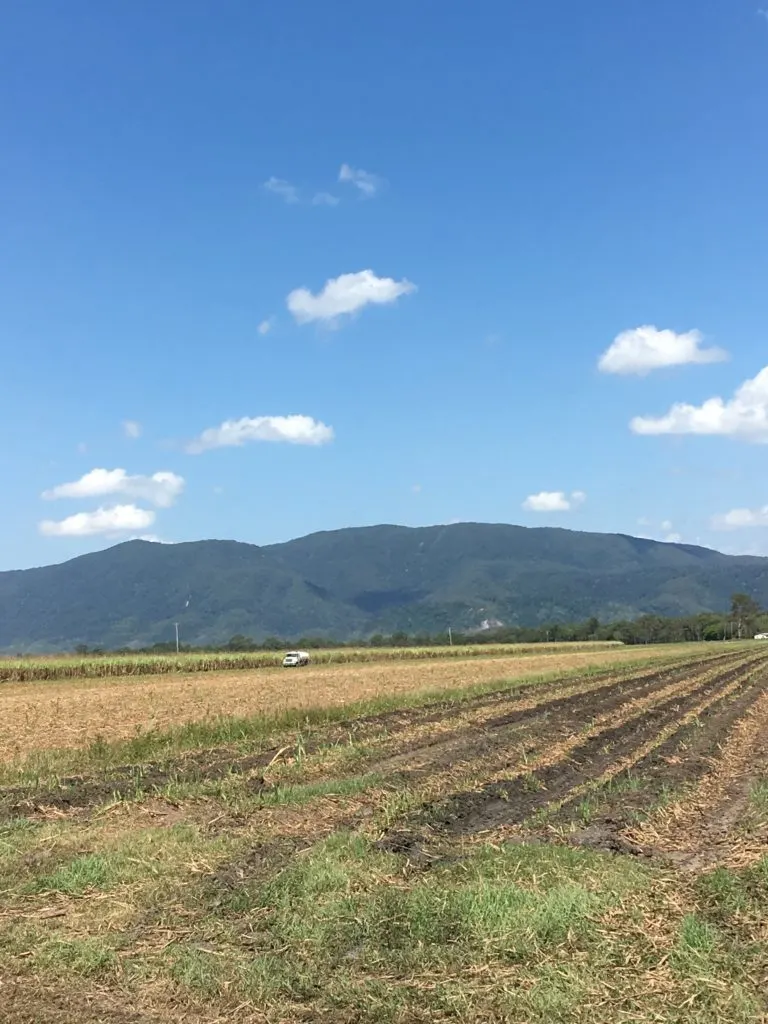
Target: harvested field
[(592, 848), (46, 715), (32, 668)]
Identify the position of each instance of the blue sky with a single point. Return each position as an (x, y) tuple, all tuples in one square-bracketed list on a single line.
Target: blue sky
[(418, 227)]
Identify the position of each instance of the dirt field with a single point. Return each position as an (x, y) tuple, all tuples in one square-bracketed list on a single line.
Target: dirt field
[(589, 849), (47, 715)]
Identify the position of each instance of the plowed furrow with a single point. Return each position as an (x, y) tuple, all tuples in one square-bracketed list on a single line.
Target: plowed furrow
[(532, 716), (509, 801)]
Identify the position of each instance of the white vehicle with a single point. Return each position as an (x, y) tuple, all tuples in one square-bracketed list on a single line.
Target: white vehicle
[(295, 659), (762, 636)]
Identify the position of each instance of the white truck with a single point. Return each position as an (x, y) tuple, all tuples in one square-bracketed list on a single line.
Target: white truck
[(762, 636), (295, 659)]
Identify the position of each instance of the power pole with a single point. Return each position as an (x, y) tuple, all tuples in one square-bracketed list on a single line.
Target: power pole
[(177, 636)]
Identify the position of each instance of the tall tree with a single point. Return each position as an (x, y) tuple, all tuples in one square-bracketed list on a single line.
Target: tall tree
[(744, 611)]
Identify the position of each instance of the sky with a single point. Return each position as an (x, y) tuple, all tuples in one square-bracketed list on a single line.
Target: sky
[(272, 268)]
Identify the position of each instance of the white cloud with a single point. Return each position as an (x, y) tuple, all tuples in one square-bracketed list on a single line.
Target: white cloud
[(325, 199), (368, 184), (277, 186), (554, 501), (131, 429), (644, 349), (743, 417), (117, 519), (266, 326), (666, 525), (346, 295), (161, 489), (288, 429), (741, 518), (673, 538)]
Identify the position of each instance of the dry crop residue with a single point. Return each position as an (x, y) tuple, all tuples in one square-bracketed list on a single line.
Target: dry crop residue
[(44, 716)]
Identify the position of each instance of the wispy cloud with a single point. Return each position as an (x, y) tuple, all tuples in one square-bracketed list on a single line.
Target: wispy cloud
[(285, 429), (266, 326), (325, 199), (346, 295), (741, 519), (644, 349), (284, 189), (554, 501), (161, 489), (743, 417), (368, 184), (131, 429), (118, 519)]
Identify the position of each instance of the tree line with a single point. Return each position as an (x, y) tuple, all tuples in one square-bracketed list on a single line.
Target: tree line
[(743, 619)]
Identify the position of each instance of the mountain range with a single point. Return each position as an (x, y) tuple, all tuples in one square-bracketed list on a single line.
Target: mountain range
[(355, 582)]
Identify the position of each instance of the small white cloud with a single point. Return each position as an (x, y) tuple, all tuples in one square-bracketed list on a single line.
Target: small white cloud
[(131, 429), (118, 519), (325, 199), (346, 295), (673, 538), (284, 189), (741, 519), (287, 429), (162, 489), (644, 349), (666, 525), (151, 538), (643, 521), (743, 417), (266, 326), (554, 501), (368, 184)]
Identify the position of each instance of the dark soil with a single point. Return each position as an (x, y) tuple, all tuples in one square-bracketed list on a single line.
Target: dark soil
[(680, 761), (512, 801)]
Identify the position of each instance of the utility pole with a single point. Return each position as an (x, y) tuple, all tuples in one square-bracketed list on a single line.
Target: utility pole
[(177, 636)]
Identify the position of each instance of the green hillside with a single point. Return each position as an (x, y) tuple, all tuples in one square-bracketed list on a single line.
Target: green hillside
[(355, 582)]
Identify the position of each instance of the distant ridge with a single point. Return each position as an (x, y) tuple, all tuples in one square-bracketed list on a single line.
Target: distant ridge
[(354, 582)]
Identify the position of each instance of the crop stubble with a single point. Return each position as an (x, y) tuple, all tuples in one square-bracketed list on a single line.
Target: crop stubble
[(48, 715)]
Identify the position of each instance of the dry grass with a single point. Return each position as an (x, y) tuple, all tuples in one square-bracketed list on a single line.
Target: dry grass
[(707, 826), (51, 715)]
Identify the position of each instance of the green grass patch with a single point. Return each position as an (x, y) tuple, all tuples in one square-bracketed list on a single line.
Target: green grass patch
[(150, 857), (759, 796), (237, 793)]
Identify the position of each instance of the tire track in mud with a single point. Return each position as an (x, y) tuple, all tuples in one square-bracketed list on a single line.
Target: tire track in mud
[(511, 801), (564, 708), (708, 825), (682, 759)]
